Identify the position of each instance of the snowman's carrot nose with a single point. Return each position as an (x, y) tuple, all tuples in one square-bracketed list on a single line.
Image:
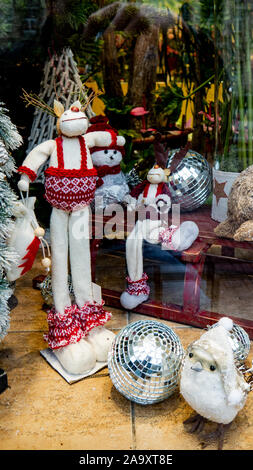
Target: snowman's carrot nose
[(75, 109)]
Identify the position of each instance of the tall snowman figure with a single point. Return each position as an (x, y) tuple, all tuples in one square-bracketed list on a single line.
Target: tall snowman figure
[(76, 333)]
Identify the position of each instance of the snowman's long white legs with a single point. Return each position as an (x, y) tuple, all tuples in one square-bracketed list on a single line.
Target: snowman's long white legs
[(143, 230), (77, 357), (99, 338), (80, 262), (59, 248), (134, 258)]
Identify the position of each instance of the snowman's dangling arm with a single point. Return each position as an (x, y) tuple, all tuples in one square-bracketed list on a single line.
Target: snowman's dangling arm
[(37, 157), (103, 139)]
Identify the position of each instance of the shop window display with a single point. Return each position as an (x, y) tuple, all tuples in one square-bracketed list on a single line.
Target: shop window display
[(127, 215)]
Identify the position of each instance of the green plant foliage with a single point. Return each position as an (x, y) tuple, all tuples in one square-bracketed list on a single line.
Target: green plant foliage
[(233, 23), (116, 104), (168, 104), (130, 158), (74, 12), (117, 110), (231, 162)]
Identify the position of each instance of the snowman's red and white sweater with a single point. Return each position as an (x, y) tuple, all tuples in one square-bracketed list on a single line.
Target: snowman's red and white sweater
[(148, 193)]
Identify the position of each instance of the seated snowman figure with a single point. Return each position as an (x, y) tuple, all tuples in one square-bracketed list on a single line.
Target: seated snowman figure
[(112, 186), (153, 196)]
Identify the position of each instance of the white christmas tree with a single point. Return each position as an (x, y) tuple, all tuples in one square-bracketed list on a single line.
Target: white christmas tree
[(60, 81), (9, 140)]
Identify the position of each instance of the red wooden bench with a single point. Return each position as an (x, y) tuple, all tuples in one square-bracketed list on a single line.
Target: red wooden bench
[(194, 258)]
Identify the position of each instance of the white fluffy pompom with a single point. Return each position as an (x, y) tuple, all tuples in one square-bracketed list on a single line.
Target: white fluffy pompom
[(226, 322), (235, 397)]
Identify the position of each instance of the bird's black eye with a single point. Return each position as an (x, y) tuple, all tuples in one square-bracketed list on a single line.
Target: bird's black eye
[(212, 367), (190, 354), (106, 151)]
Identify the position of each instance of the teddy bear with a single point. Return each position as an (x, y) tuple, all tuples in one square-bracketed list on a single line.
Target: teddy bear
[(239, 222), (112, 186), (76, 332)]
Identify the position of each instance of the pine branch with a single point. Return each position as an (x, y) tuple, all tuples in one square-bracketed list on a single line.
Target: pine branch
[(8, 131)]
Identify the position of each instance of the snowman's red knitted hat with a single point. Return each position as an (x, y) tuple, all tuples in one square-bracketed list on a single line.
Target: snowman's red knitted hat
[(101, 123)]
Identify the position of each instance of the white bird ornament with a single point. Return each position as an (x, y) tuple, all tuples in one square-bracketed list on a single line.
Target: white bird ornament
[(211, 383)]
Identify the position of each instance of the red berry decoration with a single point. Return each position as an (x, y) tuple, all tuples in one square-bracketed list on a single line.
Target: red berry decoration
[(75, 109)]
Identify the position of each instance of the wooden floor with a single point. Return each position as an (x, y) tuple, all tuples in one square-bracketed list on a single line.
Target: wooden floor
[(42, 411)]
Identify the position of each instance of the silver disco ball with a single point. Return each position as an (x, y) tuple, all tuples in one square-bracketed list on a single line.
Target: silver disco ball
[(240, 342), (145, 361), (191, 183)]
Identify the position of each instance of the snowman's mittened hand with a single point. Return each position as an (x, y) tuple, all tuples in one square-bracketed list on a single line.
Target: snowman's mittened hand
[(121, 140), (23, 184), (107, 139), (98, 139)]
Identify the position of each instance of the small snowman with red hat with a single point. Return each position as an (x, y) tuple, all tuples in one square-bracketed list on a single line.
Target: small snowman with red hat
[(112, 186)]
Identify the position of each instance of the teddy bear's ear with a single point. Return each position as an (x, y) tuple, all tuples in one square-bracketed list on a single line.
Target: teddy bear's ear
[(58, 108)]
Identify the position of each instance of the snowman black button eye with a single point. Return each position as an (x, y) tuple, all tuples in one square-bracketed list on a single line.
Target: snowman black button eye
[(106, 151), (190, 354), (212, 367), (115, 151)]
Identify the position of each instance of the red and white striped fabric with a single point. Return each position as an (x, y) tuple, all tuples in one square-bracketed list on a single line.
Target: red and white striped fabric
[(138, 287)]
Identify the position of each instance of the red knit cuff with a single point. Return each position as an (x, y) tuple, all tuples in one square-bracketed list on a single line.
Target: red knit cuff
[(93, 314), (138, 287), (63, 329), (30, 173)]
